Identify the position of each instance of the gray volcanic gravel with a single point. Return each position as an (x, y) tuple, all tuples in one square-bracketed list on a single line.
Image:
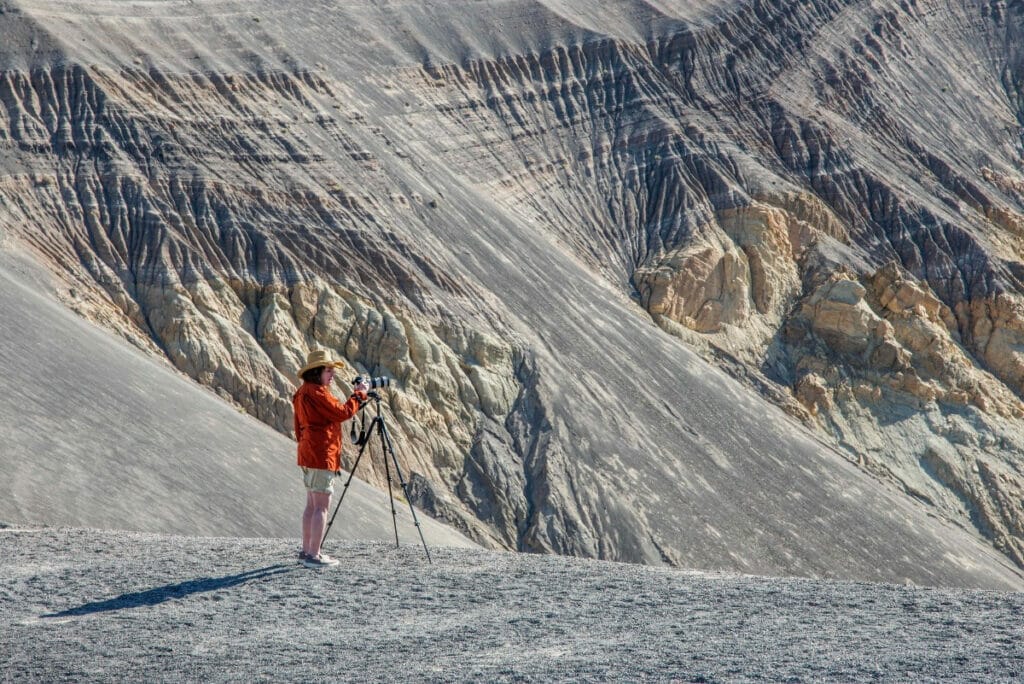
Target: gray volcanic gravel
[(88, 605)]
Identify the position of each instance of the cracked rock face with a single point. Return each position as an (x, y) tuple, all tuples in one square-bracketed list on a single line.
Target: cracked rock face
[(491, 203), (874, 359)]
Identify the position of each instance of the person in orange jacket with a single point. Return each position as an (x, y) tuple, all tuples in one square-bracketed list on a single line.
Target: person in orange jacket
[(318, 419)]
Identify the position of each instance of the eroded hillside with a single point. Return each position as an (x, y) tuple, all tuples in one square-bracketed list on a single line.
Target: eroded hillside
[(492, 201)]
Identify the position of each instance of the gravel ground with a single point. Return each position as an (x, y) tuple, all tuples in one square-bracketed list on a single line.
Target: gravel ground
[(88, 605)]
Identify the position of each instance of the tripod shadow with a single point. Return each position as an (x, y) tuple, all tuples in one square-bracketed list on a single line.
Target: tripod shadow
[(152, 597)]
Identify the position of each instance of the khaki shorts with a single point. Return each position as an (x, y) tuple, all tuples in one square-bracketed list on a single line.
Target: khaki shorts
[(318, 480)]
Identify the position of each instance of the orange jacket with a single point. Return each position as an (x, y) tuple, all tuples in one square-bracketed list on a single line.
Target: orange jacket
[(318, 418)]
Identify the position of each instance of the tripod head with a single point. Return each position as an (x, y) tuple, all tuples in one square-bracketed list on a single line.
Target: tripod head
[(359, 437)]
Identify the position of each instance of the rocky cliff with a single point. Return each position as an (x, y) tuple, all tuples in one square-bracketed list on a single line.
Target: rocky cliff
[(493, 202)]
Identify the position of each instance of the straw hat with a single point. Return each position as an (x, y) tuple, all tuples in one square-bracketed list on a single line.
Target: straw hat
[(320, 357)]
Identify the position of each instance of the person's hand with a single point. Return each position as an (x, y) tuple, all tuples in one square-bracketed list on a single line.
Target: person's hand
[(363, 386)]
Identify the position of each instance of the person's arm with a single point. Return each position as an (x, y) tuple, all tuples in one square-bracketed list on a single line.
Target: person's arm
[(335, 411)]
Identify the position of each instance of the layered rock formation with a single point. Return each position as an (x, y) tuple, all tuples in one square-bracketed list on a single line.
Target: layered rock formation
[(490, 202)]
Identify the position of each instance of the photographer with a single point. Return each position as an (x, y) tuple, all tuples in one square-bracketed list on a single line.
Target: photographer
[(318, 418)]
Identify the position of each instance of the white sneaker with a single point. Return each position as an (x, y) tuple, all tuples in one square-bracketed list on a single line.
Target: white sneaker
[(321, 561)]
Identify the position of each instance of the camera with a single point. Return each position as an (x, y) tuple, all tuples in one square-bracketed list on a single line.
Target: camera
[(374, 383)]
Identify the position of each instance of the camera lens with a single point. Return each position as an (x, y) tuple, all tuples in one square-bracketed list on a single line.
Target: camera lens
[(374, 383)]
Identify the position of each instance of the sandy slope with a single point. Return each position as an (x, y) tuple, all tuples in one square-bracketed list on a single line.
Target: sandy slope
[(88, 606)]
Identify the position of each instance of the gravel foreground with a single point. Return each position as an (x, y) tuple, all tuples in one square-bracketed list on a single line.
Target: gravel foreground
[(87, 605)]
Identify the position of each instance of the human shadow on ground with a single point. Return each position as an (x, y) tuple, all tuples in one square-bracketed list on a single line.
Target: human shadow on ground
[(151, 597)]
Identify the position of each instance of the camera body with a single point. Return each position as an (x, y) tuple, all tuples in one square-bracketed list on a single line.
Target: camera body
[(374, 383)]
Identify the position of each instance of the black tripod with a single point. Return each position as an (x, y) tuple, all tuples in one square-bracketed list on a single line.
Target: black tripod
[(389, 450)]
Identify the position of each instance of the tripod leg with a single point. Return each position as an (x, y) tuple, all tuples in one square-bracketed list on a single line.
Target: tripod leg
[(391, 494), (344, 490), (389, 450)]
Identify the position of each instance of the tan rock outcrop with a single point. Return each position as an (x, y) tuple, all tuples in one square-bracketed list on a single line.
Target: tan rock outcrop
[(740, 278), (996, 332), (812, 391), (704, 288), (886, 341), (893, 332)]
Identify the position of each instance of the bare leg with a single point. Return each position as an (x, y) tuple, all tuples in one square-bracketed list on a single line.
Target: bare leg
[(319, 502), (307, 523)]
